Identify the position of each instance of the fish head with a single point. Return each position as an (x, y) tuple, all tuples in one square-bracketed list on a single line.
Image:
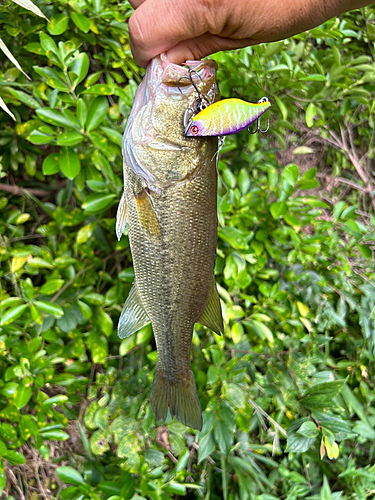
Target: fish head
[(155, 146)]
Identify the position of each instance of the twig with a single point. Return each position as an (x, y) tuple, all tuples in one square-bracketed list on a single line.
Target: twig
[(270, 419), (9, 188), (68, 283)]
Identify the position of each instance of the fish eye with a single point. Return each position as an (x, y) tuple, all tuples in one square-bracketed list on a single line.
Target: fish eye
[(194, 130)]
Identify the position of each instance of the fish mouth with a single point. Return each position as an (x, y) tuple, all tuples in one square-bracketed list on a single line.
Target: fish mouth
[(175, 77)]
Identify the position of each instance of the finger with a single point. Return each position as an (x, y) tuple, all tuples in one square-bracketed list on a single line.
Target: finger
[(204, 45), (158, 25), (136, 3)]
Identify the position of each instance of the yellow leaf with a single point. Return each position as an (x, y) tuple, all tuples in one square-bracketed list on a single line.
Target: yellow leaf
[(306, 323), (332, 449), (303, 309), (17, 263)]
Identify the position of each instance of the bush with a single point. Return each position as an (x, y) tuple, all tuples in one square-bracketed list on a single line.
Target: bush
[(288, 392)]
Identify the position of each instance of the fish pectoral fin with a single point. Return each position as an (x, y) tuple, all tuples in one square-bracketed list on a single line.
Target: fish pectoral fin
[(146, 214), (211, 316), (133, 316), (121, 217)]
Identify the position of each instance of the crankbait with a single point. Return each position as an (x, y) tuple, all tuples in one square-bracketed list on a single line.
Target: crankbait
[(225, 117)]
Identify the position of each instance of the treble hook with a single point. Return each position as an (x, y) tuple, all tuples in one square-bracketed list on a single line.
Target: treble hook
[(201, 96), (258, 129)]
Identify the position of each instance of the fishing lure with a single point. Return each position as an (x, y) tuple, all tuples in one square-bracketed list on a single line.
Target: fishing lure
[(224, 117)]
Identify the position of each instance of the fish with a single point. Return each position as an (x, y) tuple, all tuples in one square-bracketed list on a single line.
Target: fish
[(169, 204), (225, 117)]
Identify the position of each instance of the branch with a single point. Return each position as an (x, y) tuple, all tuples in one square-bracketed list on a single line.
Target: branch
[(10, 188)]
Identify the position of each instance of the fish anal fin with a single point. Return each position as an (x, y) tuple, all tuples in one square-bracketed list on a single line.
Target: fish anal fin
[(133, 316), (121, 217), (211, 316), (179, 395), (146, 214)]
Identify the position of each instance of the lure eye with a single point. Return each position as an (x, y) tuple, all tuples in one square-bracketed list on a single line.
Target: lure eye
[(194, 130)]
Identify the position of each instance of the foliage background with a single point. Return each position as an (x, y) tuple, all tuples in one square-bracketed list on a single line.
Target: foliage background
[(288, 392)]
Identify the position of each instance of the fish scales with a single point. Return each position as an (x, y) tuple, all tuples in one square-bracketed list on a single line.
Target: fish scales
[(170, 184)]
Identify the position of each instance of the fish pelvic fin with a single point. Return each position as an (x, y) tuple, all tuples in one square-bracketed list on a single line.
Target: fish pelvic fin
[(133, 316), (179, 395), (211, 316), (121, 217), (147, 216)]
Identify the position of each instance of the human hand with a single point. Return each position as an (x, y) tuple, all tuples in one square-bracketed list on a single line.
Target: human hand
[(192, 29)]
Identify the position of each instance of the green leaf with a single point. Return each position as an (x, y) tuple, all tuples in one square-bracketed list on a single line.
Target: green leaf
[(51, 286), (97, 201), (22, 396), (182, 462), (81, 111), (297, 443), (70, 475), (47, 42), (50, 308), (81, 22), (105, 322), (55, 400), (85, 309), (55, 435), (24, 98), (37, 137), (99, 89), (290, 174), (58, 24), (69, 163), (110, 488), (70, 138), (97, 112), (15, 457), (308, 429), (283, 108), (365, 251), (314, 78), (223, 437), (206, 446), (11, 315), (51, 164), (310, 114), (55, 117), (80, 68), (175, 488), (278, 208)]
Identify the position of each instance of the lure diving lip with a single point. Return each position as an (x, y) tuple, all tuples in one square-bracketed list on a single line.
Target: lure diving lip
[(225, 117)]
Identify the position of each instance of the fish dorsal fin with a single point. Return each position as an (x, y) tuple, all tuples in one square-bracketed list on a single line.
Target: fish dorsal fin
[(147, 216), (121, 217), (211, 316), (133, 316)]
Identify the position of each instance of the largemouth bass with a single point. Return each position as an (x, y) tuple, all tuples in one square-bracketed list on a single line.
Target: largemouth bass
[(169, 203)]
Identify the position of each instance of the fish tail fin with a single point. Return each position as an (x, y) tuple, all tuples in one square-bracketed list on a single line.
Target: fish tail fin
[(180, 396)]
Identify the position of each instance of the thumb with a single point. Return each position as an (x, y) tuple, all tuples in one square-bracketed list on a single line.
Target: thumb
[(204, 45)]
